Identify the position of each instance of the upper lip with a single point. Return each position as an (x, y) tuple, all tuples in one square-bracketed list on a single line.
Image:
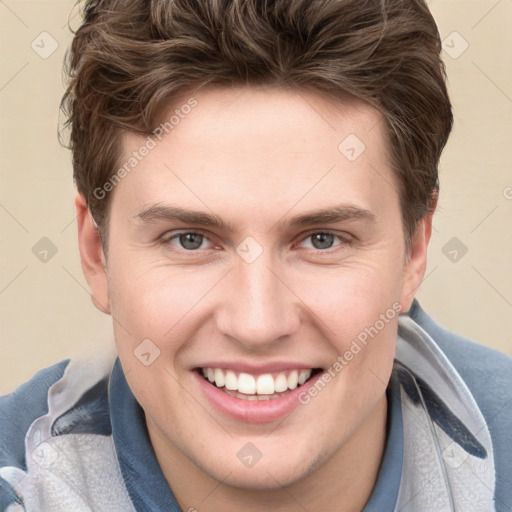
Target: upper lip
[(257, 369)]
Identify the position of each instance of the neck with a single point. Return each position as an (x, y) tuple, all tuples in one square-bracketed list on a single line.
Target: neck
[(342, 484)]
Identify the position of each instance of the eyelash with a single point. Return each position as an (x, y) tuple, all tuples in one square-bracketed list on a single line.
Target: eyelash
[(167, 238)]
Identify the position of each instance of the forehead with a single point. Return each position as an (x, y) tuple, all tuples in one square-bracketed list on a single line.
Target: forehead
[(260, 148)]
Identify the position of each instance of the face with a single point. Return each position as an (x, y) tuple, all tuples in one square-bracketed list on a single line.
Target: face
[(258, 244)]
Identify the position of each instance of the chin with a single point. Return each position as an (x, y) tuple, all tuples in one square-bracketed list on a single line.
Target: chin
[(267, 474), (263, 478)]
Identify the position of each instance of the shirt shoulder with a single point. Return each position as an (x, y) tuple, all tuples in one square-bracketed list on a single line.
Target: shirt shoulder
[(21, 407), (69, 397), (487, 372), (488, 375), (17, 412)]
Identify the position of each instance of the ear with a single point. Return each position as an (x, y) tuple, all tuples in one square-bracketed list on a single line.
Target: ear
[(91, 255), (416, 264)]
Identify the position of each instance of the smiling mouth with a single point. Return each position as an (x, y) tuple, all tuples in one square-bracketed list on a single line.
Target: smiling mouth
[(267, 386)]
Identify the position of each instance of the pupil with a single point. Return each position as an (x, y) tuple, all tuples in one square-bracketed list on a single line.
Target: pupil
[(191, 240), (324, 240)]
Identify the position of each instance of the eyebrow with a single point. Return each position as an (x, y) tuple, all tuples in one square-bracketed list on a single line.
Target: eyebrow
[(338, 213)]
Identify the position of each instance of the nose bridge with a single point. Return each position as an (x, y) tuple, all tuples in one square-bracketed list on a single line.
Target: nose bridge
[(258, 309)]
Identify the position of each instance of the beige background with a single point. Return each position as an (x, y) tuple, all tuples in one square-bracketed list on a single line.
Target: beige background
[(46, 312)]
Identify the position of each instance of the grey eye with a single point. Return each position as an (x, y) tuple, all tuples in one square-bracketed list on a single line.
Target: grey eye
[(322, 240), (191, 241)]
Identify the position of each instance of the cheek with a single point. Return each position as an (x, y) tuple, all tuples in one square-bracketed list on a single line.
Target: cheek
[(154, 299), (165, 305), (349, 299), (358, 310)]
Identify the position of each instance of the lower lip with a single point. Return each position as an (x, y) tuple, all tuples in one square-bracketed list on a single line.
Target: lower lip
[(253, 411)]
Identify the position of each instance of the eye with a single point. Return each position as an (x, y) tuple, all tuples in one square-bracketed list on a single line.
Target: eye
[(322, 240), (190, 241), (187, 240)]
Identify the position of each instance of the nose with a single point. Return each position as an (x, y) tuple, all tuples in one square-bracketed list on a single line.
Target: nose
[(258, 308)]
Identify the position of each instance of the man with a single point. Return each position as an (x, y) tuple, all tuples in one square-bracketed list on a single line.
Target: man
[(256, 184)]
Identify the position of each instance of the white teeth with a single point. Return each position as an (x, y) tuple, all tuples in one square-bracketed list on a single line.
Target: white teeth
[(293, 379), (304, 376), (262, 387), (280, 384), (265, 384), (219, 377), (252, 397), (231, 382), (246, 384)]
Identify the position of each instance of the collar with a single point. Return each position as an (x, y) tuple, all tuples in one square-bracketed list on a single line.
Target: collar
[(144, 480)]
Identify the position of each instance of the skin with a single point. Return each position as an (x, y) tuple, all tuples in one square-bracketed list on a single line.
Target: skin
[(257, 157)]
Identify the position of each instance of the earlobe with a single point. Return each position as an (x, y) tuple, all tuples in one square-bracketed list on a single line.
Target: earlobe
[(414, 269), (91, 255)]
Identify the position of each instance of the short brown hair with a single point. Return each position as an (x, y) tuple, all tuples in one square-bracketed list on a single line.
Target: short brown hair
[(131, 59)]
